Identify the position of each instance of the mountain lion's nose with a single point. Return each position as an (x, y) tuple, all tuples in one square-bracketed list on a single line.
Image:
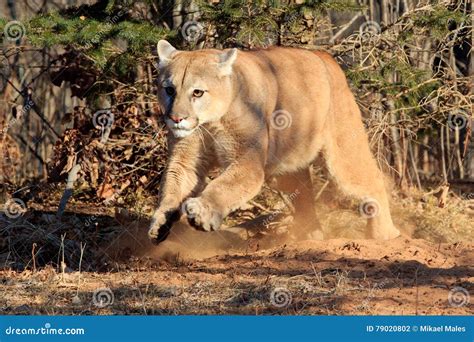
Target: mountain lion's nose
[(176, 118)]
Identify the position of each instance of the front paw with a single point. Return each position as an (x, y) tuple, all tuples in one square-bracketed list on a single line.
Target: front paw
[(201, 215), (161, 224)]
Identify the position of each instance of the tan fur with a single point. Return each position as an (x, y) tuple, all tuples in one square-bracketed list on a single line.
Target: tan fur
[(237, 128)]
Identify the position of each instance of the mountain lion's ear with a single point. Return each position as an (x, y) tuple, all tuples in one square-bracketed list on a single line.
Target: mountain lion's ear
[(226, 61), (166, 51)]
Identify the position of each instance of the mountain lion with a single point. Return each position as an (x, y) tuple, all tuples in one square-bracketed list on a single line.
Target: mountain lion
[(257, 115)]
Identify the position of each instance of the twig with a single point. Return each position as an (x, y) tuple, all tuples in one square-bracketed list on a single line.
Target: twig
[(71, 179)]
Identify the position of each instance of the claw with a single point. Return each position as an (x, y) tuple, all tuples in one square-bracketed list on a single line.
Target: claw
[(159, 234), (201, 216)]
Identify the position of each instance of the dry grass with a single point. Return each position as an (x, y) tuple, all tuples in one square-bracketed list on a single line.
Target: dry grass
[(328, 278), (52, 266)]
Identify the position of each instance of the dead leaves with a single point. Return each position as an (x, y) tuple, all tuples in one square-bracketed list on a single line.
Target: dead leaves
[(130, 161), (105, 190)]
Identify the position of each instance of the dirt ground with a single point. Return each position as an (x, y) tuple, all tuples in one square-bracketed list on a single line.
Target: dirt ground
[(223, 273)]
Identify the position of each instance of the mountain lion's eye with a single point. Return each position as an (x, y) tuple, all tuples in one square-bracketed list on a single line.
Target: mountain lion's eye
[(198, 92), (170, 91)]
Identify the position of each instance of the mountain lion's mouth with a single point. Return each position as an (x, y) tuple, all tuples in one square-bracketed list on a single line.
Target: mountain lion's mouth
[(183, 128), (182, 132)]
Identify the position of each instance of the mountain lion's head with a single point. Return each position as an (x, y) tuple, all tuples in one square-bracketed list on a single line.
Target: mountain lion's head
[(194, 87)]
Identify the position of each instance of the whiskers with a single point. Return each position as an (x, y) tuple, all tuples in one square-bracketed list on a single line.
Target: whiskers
[(201, 135), (223, 141)]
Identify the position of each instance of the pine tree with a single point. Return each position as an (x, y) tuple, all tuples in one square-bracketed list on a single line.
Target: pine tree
[(261, 23), (101, 40)]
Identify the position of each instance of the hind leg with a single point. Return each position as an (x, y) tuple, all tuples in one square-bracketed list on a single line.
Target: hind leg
[(355, 170), (299, 188)]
